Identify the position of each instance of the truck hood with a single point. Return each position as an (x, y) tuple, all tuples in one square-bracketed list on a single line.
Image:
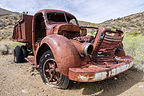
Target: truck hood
[(55, 28)]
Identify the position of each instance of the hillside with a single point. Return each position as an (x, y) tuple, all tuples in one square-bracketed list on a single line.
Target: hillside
[(133, 23), (6, 12), (7, 21), (6, 25)]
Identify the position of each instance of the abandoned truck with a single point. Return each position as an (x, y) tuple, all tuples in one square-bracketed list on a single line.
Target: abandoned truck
[(63, 52)]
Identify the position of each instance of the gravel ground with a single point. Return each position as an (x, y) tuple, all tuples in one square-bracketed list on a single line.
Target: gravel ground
[(23, 80)]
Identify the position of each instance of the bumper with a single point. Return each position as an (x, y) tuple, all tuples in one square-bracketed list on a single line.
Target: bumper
[(94, 73)]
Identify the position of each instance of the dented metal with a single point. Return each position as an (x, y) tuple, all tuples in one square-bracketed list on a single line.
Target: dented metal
[(93, 72), (103, 75)]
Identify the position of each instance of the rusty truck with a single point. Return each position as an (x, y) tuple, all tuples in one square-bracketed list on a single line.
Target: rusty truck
[(62, 51)]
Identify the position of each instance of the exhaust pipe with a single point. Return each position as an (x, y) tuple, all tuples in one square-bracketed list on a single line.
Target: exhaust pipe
[(88, 48), (83, 48)]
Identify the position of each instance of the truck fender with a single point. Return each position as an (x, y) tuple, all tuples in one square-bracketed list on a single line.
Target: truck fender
[(64, 52)]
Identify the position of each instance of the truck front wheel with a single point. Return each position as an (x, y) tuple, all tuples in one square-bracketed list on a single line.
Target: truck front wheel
[(50, 73)]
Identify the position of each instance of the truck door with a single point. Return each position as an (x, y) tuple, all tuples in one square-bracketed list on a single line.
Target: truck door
[(40, 28)]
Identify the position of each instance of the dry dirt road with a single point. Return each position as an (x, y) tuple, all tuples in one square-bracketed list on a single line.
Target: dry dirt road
[(22, 79)]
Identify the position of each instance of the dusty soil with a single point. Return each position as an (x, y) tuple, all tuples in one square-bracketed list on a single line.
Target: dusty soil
[(23, 80)]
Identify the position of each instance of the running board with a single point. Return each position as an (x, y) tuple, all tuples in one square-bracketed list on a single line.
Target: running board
[(30, 60)]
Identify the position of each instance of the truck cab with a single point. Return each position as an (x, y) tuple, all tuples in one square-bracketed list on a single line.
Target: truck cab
[(47, 22)]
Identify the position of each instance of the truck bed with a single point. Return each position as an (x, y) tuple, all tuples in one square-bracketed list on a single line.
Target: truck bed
[(23, 29)]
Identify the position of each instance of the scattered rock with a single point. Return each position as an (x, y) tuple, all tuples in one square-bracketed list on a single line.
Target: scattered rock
[(141, 86), (9, 37), (33, 74), (24, 91), (1, 38), (31, 69), (115, 78), (2, 24), (11, 50), (4, 50)]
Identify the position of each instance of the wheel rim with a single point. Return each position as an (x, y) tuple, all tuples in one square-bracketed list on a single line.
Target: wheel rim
[(51, 72)]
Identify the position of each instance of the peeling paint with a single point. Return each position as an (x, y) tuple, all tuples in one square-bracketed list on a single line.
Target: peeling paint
[(105, 74), (100, 76), (120, 69), (83, 78)]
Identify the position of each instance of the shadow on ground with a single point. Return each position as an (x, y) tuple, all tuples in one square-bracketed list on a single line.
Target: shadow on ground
[(111, 87)]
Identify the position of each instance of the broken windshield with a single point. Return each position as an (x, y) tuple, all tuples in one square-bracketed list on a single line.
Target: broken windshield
[(59, 18)]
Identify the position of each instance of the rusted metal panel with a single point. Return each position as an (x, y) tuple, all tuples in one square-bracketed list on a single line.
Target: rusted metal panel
[(93, 73), (65, 53), (23, 30)]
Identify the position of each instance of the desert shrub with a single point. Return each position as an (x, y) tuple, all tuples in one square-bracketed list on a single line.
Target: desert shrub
[(10, 23), (124, 25), (138, 24), (119, 18), (91, 32), (134, 46), (113, 27), (134, 33), (141, 29), (15, 44), (132, 25), (4, 15), (128, 19)]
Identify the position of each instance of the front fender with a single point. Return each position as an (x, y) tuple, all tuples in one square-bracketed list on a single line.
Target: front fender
[(64, 52)]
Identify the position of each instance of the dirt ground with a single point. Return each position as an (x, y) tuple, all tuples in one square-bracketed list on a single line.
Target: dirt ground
[(22, 79)]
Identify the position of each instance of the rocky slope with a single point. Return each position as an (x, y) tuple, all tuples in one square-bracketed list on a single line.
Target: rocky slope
[(7, 21), (6, 25), (133, 23), (4, 12)]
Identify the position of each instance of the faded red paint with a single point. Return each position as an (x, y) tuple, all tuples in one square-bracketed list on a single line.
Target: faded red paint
[(89, 70), (23, 30), (80, 57)]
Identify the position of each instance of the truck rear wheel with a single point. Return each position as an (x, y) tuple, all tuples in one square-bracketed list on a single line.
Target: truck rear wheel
[(25, 51), (18, 55), (50, 73)]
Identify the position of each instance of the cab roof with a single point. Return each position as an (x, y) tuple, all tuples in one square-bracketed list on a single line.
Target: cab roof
[(54, 10)]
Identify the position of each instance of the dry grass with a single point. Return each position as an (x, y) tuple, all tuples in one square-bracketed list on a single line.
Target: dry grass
[(134, 46)]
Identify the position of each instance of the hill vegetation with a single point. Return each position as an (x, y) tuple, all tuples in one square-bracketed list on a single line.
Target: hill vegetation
[(132, 24)]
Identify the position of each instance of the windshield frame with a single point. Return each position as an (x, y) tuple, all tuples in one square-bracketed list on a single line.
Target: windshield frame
[(65, 16)]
